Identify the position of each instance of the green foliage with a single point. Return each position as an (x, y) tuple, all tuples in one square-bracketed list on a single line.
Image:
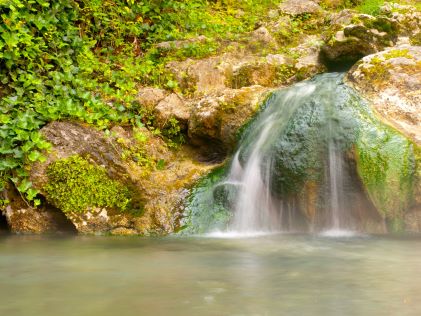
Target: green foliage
[(173, 133), (76, 185), (85, 59), (40, 81), (371, 7)]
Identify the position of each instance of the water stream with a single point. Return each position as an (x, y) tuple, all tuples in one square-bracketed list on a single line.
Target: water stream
[(298, 141)]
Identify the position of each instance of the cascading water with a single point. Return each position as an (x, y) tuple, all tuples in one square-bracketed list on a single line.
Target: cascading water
[(256, 206), (294, 169), (256, 209)]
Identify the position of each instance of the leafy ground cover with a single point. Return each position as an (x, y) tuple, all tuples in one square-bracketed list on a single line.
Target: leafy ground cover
[(85, 59)]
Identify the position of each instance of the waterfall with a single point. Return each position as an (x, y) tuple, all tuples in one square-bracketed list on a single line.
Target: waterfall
[(257, 208), (294, 169)]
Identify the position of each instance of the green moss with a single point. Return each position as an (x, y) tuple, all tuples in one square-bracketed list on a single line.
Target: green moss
[(76, 185), (371, 7), (416, 39), (396, 53), (207, 206), (387, 168)]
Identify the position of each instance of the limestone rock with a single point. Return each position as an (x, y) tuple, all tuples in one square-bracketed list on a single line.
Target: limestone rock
[(353, 41), (353, 36), (201, 76), (170, 45), (309, 63), (68, 139), (262, 38), (407, 17), (297, 7), (172, 106), (270, 71), (149, 97), (391, 81), (156, 192), (218, 117)]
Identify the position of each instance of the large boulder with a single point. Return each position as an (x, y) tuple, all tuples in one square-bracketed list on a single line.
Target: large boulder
[(391, 80), (389, 160), (125, 181)]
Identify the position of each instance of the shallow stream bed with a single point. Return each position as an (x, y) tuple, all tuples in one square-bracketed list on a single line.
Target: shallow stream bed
[(263, 275)]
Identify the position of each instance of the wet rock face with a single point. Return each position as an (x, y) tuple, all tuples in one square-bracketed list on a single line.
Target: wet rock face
[(389, 160), (391, 81)]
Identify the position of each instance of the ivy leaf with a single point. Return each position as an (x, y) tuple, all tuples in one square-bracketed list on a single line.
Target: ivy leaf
[(34, 155), (24, 185), (8, 164), (31, 194)]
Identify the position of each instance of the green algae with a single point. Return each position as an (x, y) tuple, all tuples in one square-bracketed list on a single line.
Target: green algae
[(386, 164), (206, 208)]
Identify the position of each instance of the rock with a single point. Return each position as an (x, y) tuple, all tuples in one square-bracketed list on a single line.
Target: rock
[(391, 81), (23, 218), (262, 38), (218, 118), (309, 64), (413, 221), (201, 76), (407, 17), (343, 17), (353, 41), (172, 106), (149, 97), (69, 139), (129, 157), (389, 160), (352, 36), (100, 220), (267, 72), (174, 45), (297, 7), (215, 74)]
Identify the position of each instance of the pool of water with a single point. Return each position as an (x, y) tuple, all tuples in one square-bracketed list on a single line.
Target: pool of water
[(260, 275)]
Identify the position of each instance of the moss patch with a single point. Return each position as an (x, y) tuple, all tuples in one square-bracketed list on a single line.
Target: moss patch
[(387, 168), (76, 185), (206, 208)]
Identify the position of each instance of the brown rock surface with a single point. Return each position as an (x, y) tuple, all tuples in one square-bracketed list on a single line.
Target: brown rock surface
[(218, 117), (391, 81), (157, 190)]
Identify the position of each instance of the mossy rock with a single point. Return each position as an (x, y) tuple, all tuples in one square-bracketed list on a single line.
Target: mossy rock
[(75, 184), (207, 207), (386, 163)]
